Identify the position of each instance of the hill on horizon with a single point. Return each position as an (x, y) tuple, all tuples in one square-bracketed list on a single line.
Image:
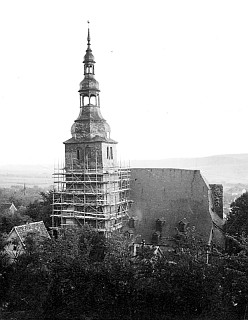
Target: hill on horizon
[(228, 168), (225, 169)]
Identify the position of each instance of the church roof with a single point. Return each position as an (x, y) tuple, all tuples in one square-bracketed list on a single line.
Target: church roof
[(174, 195)]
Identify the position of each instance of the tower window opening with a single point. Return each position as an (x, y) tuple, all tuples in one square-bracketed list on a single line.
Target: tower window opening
[(78, 154), (111, 153), (93, 100), (89, 69), (107, 152), (86, 100)]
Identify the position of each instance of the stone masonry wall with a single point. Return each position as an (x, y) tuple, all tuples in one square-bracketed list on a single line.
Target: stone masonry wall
[(87, 155), (176, 197)]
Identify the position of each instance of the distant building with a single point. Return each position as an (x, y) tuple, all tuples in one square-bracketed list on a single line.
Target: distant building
[(7, 208), (168, 201), (16, 238)]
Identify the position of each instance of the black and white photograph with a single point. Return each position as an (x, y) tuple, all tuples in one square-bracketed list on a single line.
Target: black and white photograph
[(124, 162)]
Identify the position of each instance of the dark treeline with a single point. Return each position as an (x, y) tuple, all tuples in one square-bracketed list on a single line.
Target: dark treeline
[(82, 275)]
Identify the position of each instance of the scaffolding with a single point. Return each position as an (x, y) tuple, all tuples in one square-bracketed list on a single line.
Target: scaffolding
[(98, 197)]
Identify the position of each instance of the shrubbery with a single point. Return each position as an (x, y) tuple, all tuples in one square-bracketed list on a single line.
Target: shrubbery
[(81, 274)]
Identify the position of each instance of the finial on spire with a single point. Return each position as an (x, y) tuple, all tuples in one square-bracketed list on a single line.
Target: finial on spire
[(88, 58), (88, 38)]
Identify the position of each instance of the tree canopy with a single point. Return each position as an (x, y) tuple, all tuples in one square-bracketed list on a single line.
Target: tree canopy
[(82, 275), (37, 210), (237, 221)]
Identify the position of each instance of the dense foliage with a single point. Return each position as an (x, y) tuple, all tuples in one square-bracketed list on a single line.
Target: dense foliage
[(20, 195), (237, 222), (41, 209), (32, 205), (82, 275)]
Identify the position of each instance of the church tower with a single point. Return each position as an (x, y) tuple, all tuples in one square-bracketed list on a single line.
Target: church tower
[(91, 188), (90, 145)]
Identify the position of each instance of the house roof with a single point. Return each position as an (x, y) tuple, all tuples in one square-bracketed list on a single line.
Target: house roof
[(7, 206), (37, 227)]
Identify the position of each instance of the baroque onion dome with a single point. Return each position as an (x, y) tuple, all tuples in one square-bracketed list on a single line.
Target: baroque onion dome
[(90, 124)]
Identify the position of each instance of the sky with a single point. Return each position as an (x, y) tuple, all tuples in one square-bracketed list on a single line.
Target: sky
[(173, 76)]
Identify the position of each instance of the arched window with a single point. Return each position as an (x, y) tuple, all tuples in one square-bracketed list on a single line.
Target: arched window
[(89, 69), (111, 153), (86, 100), (107, 152), (93, 100), (78, 154)]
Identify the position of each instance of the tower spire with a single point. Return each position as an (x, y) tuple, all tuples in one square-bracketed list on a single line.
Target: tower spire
[(88, 38), (89, 59), (90, 124)]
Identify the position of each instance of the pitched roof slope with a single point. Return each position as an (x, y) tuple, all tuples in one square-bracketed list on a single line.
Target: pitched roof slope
[(37, 227), (7, 206)]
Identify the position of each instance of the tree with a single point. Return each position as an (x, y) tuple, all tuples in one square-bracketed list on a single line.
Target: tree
[(82, 274), (237, 221), (41, 209), (9, 220)]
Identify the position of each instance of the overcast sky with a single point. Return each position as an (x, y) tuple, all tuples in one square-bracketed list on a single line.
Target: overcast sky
[(173, 76)]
